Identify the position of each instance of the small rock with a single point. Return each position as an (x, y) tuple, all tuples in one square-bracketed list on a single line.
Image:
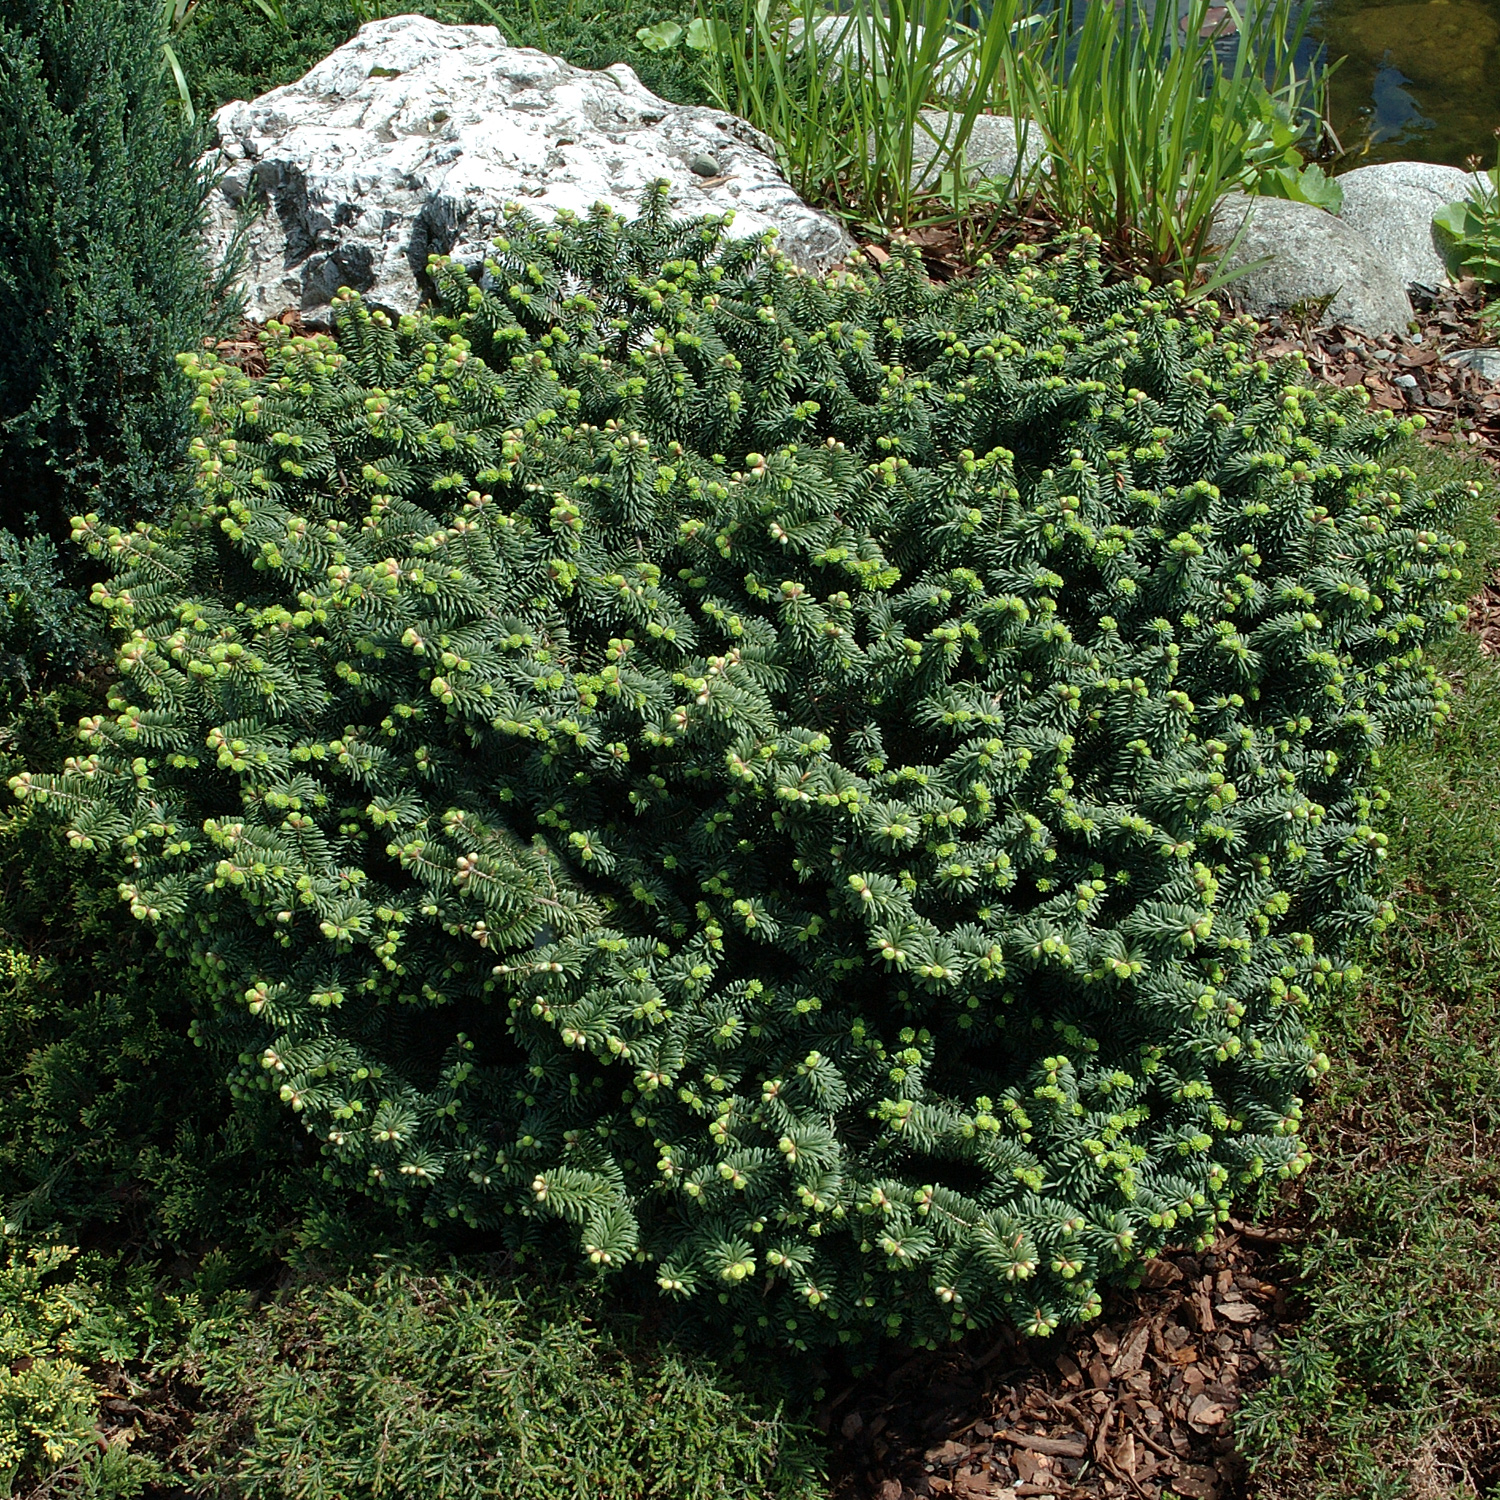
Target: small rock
[(1484, 362), (947, 1454), (852, 1425), (1314, 261), (1392, 204), (704, 166)]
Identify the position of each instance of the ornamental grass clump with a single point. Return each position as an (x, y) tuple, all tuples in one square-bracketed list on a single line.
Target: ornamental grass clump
[(838, 791)]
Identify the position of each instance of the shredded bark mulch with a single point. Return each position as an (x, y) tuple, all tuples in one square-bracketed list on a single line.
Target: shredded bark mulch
[(1424, 372), (245, 349), (1138, 1404)]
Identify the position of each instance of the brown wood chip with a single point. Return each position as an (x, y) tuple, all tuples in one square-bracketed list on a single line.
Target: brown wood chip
[(982, 1487), (1196, 1482), (1158, 1274), (1204, 1311), (1238, 1312), (1204, 1413), (1101, 1433), (1074, 1447)]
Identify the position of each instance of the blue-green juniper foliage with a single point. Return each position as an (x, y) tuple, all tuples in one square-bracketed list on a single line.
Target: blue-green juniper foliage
[(840, 790)]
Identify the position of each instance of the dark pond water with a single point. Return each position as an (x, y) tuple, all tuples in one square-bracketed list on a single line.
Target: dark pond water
[(1420, 81)]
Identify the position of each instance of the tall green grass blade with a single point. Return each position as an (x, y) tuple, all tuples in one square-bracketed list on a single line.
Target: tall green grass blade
[(841, 93), (1126, 121), (1145, 128), (169, 55)]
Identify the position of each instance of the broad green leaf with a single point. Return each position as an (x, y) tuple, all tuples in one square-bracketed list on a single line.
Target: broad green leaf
[(707, 36), (660, 38), (1316, 187)]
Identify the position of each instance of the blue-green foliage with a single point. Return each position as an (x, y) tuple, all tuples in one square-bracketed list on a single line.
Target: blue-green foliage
[(46, 628), (103, 277), (839, 789)]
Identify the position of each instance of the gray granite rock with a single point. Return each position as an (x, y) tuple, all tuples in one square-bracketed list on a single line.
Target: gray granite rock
[(1484, 362), (994, 147), (1392, 204), (411, 138), (1310, 255)]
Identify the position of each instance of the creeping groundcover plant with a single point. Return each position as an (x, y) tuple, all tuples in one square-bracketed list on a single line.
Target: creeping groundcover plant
[(839, 791)]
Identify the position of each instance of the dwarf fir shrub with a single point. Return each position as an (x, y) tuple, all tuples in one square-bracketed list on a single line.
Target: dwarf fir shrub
[(839, 790)]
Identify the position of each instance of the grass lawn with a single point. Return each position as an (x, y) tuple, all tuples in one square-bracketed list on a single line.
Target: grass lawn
[(1390, 1384)]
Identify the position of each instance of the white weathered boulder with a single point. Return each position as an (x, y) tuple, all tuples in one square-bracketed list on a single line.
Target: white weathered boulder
[(1310, 256), (1392, 203), (410, 139)]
